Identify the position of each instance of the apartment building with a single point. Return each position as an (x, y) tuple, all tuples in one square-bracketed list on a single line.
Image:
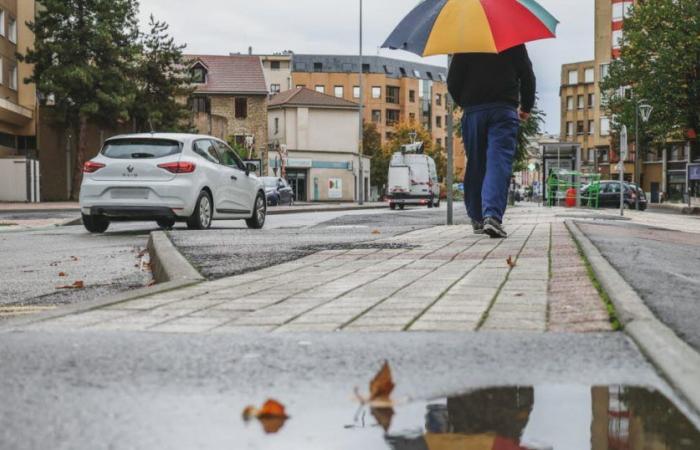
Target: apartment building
[(278, 72), (579, 107), (18, 104)]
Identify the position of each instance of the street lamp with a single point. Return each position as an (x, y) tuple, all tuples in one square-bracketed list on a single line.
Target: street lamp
[(644, 111), (360, 188)]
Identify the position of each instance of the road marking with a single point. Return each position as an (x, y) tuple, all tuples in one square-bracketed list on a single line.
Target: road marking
[(9, 311)]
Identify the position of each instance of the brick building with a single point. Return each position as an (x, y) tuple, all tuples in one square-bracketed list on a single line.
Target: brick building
[(230, 101)]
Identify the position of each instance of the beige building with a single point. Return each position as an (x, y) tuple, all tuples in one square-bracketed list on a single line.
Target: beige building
[(278, 72), (579, 109), (394, 91), (230, 101), (18, 103), (320, 135)]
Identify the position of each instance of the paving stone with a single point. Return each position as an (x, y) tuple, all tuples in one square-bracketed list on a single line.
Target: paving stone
[(424, 325)]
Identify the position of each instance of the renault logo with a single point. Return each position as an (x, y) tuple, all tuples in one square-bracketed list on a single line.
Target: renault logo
[(130, 169)]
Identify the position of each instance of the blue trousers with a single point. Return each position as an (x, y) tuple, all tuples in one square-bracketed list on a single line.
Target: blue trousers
[(490, 134)]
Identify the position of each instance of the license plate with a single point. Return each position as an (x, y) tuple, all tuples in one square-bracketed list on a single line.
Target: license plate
[(134, 194)]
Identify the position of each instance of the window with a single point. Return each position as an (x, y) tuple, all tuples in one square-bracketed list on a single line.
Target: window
[(392, 94), (2, 22), (604, 156), (430, 75), (617, 36), (402, 71), (589, 75), (320, 88), (438, 142), (416, 73), (438, 99), (591, 154), (277, 125), (573, 76), (412, 96), (275, 88), (318, 67), (392, 116), (347, 67), (199, 75), (12, 30), (579, 128), (365, 68), (621, 10), (200, 105), (570, 103), (604, 126), (205, 149), (2, 73), (275, 65), (229, 157), (388, 70), (591, 100), (581, 102), (569, 128), (241, 108), (604, 70), (412, 117), (376, 92), (591, 127), (339, 91), (438, 121), (376, 116), (356, 92), (301, 86)]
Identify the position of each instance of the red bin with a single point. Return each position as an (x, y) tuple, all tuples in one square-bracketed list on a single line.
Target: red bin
[(571, 198)]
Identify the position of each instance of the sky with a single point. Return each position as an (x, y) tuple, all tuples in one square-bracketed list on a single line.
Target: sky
[(332, 26)]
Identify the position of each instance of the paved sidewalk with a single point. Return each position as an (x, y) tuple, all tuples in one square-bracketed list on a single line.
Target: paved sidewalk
[(437, 279)]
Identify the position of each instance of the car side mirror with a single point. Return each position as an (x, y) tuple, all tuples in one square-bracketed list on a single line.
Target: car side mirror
[(250, 168)]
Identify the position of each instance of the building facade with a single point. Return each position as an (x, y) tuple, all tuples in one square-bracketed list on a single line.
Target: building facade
[(230, 102), (278, 72), (320, 135), (18, 100)]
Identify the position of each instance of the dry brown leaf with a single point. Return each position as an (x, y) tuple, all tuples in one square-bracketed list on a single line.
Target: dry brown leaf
[(62, 274), (77, 285), (74, 258), (381, 387), (376, 232), (383, 417), (151, 283), (511, 262), (272, 415)]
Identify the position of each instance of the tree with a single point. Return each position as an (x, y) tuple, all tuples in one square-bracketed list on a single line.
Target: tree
[(372, 148), (83, 57), (660, 64), (163, 82)]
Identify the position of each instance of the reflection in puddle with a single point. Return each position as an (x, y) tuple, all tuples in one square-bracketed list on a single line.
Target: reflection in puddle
[(549, 417)]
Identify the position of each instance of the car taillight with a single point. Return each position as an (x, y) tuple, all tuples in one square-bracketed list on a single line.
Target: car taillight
[(178, 167), (92, 167)]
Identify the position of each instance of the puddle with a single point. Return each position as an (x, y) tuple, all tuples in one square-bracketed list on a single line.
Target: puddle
[(552, 417)]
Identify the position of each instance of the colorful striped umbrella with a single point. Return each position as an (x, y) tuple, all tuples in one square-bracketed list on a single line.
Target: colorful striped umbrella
[(439, 27)]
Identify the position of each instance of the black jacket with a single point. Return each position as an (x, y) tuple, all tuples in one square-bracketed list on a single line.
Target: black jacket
[(479, 78)]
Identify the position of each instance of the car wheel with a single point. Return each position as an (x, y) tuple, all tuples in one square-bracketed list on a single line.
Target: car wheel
[(203, 212), (95, 224), (259, 213), (166, 224), (392, 206)]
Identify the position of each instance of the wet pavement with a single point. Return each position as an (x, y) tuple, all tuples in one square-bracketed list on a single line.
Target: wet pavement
[(662, 265), (144, 391)]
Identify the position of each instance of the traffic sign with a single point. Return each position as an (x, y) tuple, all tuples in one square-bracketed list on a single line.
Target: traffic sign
[(624, 148)]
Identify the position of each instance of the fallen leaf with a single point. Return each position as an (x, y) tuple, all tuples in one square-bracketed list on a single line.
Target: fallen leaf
[(382, 385), (272, 415), (74, 258), (62, 274), (76, 285), (151, 283), (511, 262), (383, 417), (376, 232)]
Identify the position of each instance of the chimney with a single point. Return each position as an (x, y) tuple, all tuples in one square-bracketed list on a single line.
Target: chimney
[(250, 51)]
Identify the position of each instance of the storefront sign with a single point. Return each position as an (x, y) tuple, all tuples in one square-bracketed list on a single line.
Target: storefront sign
[(299, 163), (335, 188), (694, 172)]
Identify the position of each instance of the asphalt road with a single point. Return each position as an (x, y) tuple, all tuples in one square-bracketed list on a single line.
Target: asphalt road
[(144, 391), (112, 263), (663, 266)]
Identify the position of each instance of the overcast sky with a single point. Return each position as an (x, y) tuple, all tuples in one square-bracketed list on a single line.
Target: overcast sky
[(331, 26)]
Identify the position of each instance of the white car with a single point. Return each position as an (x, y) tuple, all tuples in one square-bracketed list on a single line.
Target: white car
[(169, 178)]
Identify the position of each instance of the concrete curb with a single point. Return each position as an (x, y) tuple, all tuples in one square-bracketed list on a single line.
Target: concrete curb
[(170, 269), (675, 359), (683, 209)]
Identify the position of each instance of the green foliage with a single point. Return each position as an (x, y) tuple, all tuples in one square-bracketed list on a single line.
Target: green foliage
[(162, 81), (372, 147), (661, 61)]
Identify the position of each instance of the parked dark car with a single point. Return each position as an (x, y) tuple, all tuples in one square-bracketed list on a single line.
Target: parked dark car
[(278, 191), (610, 195)]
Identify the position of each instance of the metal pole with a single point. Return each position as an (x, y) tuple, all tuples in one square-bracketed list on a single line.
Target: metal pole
[(361, 178), (637, 156), (449, 141), (624, 152)]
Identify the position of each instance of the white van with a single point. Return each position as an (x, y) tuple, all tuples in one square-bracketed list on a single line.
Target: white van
[(413, 180)]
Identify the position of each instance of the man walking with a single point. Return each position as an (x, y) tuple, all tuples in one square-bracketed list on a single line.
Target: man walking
[(496, 92)]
